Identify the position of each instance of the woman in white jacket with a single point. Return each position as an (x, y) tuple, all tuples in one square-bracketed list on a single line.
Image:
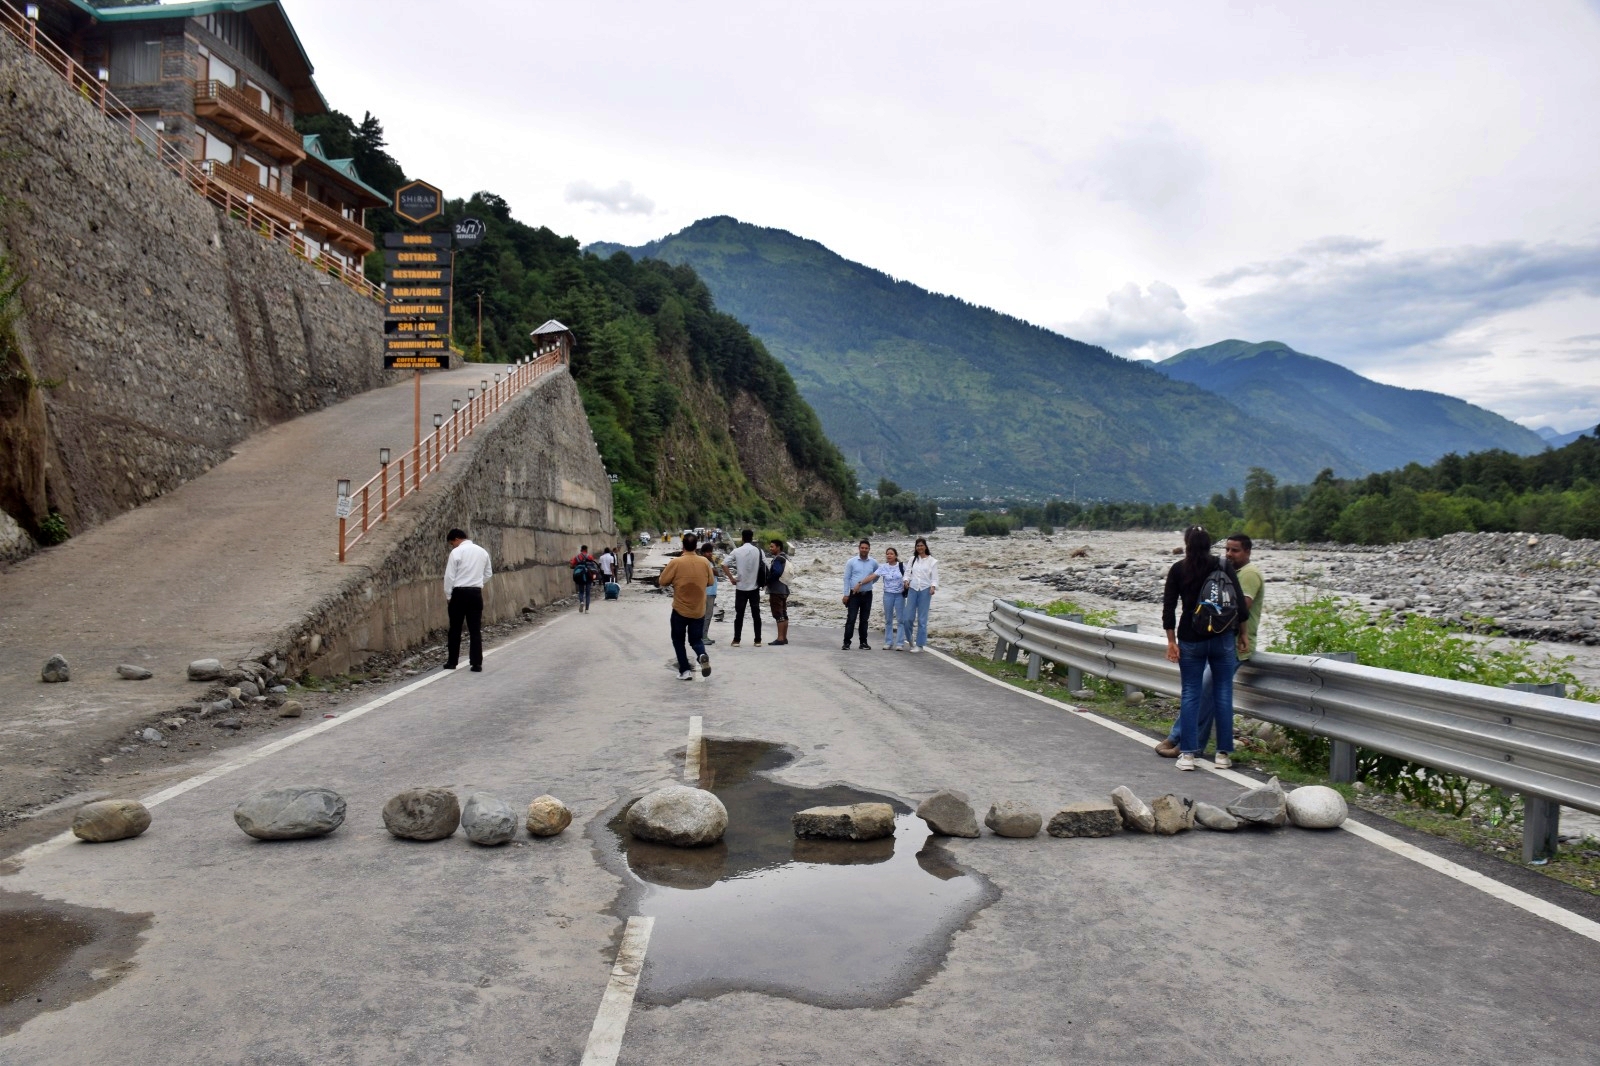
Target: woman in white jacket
[(922, 581)]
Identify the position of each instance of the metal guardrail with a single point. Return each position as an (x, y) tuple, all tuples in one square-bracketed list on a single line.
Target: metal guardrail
[(369, 504), (1546, 747), (236, 203)]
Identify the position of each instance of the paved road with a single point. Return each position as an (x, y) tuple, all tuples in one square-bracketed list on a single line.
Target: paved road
[(357, 948), (257, 538)]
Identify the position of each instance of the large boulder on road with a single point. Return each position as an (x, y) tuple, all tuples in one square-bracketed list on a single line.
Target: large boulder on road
[(679, 815), (1010, 819), (114, 819), (1317, 807), (857, 821), (1266, 805), (422, 814), (548, 816), (948, 814), (290, 813), (487, 820)]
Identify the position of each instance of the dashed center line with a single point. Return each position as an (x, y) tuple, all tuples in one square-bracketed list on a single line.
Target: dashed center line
[(611, 1022), (692, 755)]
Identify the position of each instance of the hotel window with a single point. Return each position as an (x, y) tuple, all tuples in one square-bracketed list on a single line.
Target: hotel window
[(217, 148), (135, 59), (217, 70)]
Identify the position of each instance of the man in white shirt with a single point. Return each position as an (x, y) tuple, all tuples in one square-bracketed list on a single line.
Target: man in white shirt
[(465, 574), (608, 565), (746, 563)]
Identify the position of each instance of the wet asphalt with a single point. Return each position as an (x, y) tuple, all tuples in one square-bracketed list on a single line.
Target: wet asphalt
[(1285, 946)]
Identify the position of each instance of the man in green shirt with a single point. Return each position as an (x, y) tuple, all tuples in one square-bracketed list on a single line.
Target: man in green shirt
[(1254, 587)]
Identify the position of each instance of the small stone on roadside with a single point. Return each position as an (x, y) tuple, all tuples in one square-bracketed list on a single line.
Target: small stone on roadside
[(547, 817), (1174, 814), (129, 672), (291, 709), (228, 723), (1266, 805), (948, 813), (151, 736), (1133, 699), (1088, 818), (1136, 813), (1083, 694), (488, 820), (422, 814), (1011, 819), (1208, 816), (114, 819), (857, 821), (55, 670), (1317, 807), (249, 689), (205, 670)]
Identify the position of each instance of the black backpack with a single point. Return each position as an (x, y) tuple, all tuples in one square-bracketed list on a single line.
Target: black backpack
[(763, 575), (1217, 608)]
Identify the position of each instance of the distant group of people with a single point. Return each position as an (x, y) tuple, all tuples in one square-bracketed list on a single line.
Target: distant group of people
[(604, 569), (695, 578), (908, 589)]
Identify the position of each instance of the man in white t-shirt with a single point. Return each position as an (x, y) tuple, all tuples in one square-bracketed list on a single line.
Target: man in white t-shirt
[(608, 565), (745, 561)]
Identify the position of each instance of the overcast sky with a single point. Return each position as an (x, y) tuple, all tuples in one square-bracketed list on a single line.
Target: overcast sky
[(1408, 189)]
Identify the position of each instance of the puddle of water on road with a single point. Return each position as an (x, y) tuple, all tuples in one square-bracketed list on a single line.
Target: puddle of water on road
[(52, 954), (831, 923)]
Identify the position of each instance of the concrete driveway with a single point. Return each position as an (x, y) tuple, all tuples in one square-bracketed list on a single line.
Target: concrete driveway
[(1285, 946)]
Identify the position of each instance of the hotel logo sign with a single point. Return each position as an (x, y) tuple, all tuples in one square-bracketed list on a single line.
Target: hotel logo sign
[(417, 202)]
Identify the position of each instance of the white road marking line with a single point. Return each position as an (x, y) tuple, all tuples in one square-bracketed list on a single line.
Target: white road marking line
[(1575, 923), (692, 753), (255, 755), (611, 1021)]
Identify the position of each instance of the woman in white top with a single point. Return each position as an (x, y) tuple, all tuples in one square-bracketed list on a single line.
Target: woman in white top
[(922, 581), (892, 579)]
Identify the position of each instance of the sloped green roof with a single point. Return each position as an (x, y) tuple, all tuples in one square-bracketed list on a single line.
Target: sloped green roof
[(313, 146)]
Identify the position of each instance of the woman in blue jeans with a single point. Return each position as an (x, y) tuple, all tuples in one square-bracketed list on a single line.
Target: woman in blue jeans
[(922, 581), (1193, 650)]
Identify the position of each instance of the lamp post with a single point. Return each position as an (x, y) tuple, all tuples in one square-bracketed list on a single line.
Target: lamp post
[(455, 424), (472, 394), (438, 420), (342, 509), (383, 462)]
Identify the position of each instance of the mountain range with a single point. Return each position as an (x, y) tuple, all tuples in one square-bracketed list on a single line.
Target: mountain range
[(955, 400)]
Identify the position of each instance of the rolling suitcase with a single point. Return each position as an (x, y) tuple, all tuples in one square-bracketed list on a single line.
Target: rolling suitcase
[(613, 590)]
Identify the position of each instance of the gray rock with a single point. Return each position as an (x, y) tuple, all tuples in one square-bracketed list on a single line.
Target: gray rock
[(220, 706), (291, 709), (55, 670), (1083, 694), (1174, 814), (227, 723), (1209, 817), (1010, 819), (114, 819), (290, 813), (151, 736), (422, 814), (278, 690), (858, 821), (249, 689), (547, 816), (15, 542), (1317, 807), (235, 694), (948, 814), (1133, 699), (1266, 805), (1089, 818), (129, 672), (205, 670), (679, 815), (1136, 813), (487, 820)]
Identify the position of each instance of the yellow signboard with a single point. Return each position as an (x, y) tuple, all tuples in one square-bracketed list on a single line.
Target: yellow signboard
[(420, 310), (417, 362)]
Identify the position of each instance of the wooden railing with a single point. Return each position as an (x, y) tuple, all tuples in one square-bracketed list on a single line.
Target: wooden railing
[(224, 104), (171, 154), (248, 185), (329, 217), (371, 502)]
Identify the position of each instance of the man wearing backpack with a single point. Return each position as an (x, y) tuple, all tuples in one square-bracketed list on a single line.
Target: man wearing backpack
[(584, 569), (1237, 552), (750, 575), (1205, 635)]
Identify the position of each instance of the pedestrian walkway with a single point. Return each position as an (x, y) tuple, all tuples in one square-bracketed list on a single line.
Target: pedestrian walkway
[(214, 568)]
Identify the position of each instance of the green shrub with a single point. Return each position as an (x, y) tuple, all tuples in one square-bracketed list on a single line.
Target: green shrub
[(53, 529)]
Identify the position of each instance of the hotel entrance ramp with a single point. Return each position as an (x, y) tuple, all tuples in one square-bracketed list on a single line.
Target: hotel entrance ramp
[(215, 568)]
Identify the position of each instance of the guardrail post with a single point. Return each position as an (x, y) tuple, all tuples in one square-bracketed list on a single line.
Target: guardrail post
[(1127, 690), (1034, 661), (1342, 757), (1541, 817), (999, 648), (1074, 675), (1011, 653)]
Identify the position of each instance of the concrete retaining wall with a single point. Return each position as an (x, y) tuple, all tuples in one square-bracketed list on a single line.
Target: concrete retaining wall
[(530, 488), (162, 332)]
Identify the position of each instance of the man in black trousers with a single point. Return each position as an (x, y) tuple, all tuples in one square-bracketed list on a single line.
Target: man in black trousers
[(465, 574)]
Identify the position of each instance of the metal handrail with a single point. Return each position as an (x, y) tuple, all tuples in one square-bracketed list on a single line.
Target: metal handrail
[(422, 461), (170, 154), (1544, 746)]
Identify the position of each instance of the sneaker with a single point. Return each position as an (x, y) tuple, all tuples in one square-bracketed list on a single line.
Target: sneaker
[(708, 640), (866, 647), (1167, 749), (1186, 762), (758, 642), (845, 648), (705, 665), (735, 644), (477, 669), (1223, 762), (916, 650), (685, 675)]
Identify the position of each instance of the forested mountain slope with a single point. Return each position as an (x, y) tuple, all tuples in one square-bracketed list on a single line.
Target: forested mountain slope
[(1378, 426), (957, 400)]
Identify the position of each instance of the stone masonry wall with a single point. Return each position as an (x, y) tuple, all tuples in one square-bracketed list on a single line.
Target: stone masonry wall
[(530, 489), (160, 333)]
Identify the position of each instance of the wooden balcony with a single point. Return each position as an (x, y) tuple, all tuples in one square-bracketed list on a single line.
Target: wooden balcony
[(246, 183), (237, 111), (328, 219)]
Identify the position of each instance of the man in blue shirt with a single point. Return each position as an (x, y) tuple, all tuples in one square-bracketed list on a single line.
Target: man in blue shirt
[(859, 574)]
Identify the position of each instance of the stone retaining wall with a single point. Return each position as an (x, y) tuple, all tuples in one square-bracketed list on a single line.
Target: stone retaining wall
[(529, 487), (159, 332)]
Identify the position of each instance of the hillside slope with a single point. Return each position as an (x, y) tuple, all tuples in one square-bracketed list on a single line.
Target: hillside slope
[(949, 398), (1380, 427)]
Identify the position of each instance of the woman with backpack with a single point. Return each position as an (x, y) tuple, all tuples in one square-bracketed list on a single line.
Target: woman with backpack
[(1207, 633), (892, 579)]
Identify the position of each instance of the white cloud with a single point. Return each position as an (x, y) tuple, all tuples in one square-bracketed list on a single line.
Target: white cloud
[(1153, 168), (1139, 323), (619, 199)]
